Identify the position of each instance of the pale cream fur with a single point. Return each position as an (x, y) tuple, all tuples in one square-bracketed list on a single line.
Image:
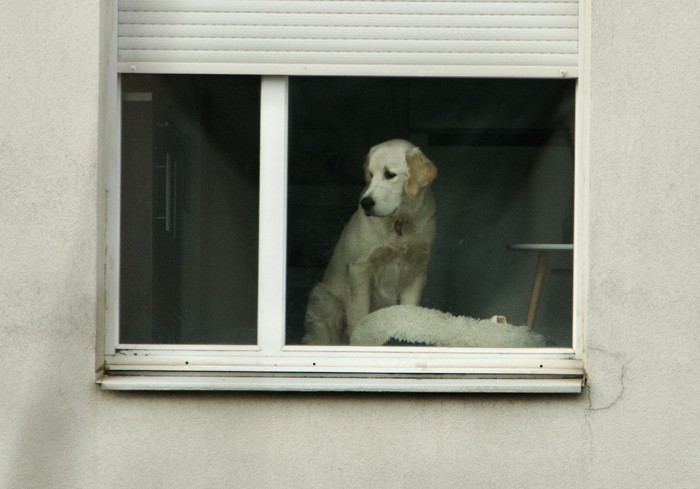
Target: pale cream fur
[(381, 258)]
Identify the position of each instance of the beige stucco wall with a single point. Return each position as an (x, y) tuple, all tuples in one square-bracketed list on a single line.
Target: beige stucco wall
[(637, 425)]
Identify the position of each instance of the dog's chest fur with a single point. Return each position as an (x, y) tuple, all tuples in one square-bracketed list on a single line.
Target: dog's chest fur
[(396, 262)]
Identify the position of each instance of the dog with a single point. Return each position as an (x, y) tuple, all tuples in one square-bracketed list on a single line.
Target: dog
[(381, 258)]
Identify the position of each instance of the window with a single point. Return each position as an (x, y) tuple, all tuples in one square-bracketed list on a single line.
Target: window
[(240, 163), (189, 209)]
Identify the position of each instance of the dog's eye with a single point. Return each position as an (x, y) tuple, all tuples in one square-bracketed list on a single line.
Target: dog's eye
[(389, 175)]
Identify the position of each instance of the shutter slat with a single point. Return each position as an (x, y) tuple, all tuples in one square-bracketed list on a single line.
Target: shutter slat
[(359, 21), (539, 38), (415, 7), (339, 46), (311, 57), (127, 31)]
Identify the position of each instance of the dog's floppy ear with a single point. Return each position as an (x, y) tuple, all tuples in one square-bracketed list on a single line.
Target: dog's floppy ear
[(421, 172)]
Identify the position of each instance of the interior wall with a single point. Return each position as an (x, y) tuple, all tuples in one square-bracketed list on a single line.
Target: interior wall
[(636, 425)]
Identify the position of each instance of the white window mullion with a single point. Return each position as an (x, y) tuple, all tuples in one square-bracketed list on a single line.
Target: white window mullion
[(273, 221)]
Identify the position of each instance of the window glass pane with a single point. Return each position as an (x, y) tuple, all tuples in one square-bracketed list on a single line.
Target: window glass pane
[(189, 212), (504, 153)]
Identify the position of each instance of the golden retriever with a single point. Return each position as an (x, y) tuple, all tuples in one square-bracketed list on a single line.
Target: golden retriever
[(381, 258)]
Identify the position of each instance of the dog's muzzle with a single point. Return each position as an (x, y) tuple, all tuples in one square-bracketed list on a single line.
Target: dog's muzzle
[(367, 204)]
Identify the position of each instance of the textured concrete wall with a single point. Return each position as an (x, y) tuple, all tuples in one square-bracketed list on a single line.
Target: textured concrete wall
[(636, 426)]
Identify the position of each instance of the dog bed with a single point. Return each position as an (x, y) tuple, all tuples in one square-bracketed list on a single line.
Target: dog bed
[(413, 325)]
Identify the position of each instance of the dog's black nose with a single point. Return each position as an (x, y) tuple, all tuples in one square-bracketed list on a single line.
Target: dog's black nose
[(367, 203)]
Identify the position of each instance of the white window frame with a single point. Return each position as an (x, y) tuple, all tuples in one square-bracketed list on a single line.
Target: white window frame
[(272, 365)]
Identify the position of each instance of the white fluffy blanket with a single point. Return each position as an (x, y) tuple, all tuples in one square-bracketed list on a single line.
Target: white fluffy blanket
[(415, 324)]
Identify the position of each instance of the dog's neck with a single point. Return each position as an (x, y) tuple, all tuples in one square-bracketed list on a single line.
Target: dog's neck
[(403, 221), (402, 226)]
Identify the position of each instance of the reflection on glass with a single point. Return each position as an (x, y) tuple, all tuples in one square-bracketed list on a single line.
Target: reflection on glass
[(189, 213), (504, 154)]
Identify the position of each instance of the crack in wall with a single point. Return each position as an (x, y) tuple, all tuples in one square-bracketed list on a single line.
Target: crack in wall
[(620, 393), (608, 374)]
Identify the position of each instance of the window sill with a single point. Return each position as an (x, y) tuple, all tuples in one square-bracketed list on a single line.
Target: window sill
[(570, 383)]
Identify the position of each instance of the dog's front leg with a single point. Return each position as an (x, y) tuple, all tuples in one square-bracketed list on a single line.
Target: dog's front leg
[(359, 296), (413, 291)]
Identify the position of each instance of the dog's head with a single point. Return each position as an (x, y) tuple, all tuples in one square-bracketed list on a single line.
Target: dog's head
[(394, 170)]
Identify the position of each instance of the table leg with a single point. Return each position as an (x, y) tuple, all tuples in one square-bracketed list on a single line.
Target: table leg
[(540, 271)]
